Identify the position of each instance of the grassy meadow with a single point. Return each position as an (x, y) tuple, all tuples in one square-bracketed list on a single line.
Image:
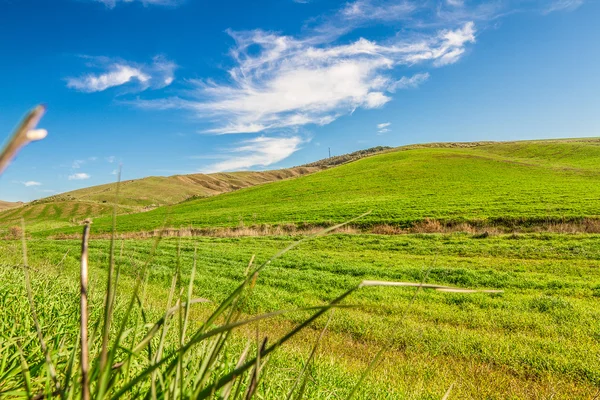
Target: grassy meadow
[(493, 183), (538, 339)]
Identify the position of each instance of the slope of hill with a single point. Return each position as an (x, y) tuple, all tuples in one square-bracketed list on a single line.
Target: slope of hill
[(5, 205), (158, 190), (137, 195), (40, 216), (346, 158), (522, 182)]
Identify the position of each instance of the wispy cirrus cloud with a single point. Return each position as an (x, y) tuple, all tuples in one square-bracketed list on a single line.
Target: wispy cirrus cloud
[(383, 127), (261, 151), (79, 176), (113, 3), (362, 10), (409, 82), (456, 3), (412, 14), (139, 77), (31, 183), (563, 5), (292, 82)]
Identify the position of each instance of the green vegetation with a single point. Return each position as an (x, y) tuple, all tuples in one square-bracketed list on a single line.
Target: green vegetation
[(539, 338), (346, 158), (139, 195), (161, 190), (492, 182), (52, 215)]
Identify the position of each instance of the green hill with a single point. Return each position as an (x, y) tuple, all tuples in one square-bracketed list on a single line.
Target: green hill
[(521, 182), (163, 190), (52, 215), (138, 195)]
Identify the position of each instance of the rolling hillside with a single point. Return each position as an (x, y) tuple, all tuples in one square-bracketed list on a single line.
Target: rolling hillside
[(140, 195), (158, 190), (5, 205), (137, 195), (513, 182), (52, 215)]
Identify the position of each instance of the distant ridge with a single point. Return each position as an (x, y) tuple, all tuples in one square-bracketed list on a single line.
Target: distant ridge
[(154, 191), (345, 158), (5, 205)]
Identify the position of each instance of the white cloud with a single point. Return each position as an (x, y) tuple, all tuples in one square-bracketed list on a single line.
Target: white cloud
[(378, 10), (158, 74), (113, 3), (117, 75), (261, 151), (291, 82), (77, 164), (31, 183), (456, 3), (110, 159), (408, 83), (79, 176), (563, 5), (383, 128)]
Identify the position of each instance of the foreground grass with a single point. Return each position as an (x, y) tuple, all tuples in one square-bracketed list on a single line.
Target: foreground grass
[(540, 338)]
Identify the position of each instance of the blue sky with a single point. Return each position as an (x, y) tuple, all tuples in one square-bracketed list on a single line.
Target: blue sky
[(169, 87)]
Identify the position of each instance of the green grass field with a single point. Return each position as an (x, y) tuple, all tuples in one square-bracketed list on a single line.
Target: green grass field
[(503, 181), (539, 339)]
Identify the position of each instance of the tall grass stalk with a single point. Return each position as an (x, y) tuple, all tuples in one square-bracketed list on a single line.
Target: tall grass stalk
[(85, 363)]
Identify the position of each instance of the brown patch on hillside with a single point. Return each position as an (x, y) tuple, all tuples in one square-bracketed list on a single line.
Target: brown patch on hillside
[(5, 205)]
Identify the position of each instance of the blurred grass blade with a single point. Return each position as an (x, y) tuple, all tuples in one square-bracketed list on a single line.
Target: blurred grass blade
[(384, 348), (227, 389), (23, 135), (447, 395), (228, 377), (85, 362)]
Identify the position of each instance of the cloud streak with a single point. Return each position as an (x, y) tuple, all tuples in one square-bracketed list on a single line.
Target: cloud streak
[(261, 151), (79, 176), (563, 5), (31, 183), (113, 3), (138, 77), (383, 127), (409, 83)]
